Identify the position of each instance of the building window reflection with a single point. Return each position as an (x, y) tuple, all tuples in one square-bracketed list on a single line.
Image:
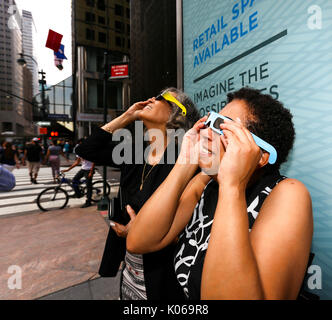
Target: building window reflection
[(58, 99)]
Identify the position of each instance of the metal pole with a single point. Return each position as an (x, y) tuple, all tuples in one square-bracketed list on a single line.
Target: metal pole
[(105, 202), (105, 110), (43, 82)]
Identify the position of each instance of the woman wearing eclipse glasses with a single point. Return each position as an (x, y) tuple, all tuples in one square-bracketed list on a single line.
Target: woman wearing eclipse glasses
[(242, 230), (149, 276)]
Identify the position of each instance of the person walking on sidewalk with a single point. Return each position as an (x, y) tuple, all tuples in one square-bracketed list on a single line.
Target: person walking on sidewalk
[(9, 157), (53, 156), (34, 154), (148, 276), (87, 171), (66, 149)]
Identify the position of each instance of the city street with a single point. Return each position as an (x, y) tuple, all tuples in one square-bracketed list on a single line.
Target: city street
[(58, 252), (22, 199), (54, 255)]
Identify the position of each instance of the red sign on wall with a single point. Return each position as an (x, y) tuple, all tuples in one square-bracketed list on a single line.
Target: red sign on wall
[(42, 131), (120, 71)]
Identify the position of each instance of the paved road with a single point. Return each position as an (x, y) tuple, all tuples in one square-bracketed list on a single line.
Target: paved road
[(58, 254), (22, 199)]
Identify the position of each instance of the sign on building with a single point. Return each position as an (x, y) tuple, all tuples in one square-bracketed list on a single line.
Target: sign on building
[(119, 71)]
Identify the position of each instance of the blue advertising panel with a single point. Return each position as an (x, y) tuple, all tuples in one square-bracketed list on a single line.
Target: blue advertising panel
[(283, 48)]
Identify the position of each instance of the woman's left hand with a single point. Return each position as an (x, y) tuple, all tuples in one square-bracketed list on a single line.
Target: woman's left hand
[(121, 230), (241, 157)]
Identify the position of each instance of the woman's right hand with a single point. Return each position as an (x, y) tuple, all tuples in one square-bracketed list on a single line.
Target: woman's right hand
[(133, 112), (131, 115), (190, 144)]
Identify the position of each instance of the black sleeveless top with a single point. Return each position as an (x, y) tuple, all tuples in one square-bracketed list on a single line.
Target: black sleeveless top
[(193, 243)]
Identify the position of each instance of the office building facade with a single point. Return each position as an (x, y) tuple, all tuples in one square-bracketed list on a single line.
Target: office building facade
[(15, 120), (153, 47), (99, 26), (28, 39)]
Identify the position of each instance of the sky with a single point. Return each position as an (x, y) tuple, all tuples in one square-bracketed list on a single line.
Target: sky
[(55, 15)]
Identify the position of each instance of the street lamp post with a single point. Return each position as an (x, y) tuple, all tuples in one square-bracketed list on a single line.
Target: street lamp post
[(22, 62), (42, 82)]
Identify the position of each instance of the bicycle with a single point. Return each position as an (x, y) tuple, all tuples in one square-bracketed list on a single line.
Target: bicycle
[(57, 197)]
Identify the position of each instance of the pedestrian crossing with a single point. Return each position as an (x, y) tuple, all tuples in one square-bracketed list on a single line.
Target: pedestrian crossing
[(22, 199)]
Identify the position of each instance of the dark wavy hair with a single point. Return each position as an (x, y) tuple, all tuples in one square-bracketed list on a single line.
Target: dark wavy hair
[(270, 121), (9, 152), (177, 120)]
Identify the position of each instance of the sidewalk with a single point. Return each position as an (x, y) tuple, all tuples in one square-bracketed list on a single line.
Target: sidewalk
[(58, 254)]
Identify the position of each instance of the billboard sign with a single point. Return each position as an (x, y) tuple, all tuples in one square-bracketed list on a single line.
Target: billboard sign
[(283, 48)]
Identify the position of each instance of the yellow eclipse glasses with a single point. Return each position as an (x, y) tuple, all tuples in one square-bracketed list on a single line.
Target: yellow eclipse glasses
[(169, 98)]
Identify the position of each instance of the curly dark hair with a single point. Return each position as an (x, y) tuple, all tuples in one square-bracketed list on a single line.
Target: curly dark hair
[(271, 121)]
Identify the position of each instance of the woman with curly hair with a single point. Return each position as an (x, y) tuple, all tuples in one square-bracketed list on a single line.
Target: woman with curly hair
[(148, 276), (242, 230)]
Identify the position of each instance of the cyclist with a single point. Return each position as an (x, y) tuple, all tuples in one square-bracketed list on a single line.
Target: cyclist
[(87, 172)]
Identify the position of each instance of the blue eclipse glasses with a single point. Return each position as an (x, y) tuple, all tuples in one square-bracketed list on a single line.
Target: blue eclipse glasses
[(215, 120)]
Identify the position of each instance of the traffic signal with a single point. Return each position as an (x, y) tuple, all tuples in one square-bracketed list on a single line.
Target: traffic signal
[(54, 134)]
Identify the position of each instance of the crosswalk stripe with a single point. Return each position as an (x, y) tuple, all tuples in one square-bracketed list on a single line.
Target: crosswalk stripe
[(22, 198)]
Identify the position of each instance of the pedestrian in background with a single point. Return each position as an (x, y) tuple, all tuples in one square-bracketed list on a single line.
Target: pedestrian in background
[(9, 157), (148, 276), (66, 149), (34, 154), (53, 156)]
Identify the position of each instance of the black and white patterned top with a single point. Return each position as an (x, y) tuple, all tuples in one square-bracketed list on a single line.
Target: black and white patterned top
[(193, 243), (133, 284)]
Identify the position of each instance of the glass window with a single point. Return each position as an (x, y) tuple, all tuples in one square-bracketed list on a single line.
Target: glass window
[(119, 26), (59, 109), (51, 109), (102, 37), (68, 82), (118, 41), (90, 3), (101, 20), (68, 95), (50, 94), (118, 10), (101, 5), (95, 60), (90, 34), (68, 111), (96, 91), (92, 102), (91, 60), (90, 17), (59, 95), (7, 126), (114, 96)]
